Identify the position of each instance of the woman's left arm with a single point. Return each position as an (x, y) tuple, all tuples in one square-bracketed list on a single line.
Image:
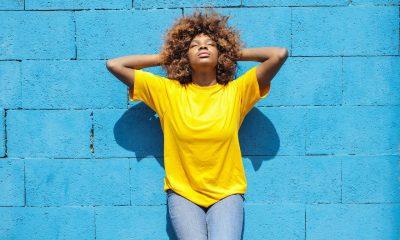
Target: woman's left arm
[(272, 59)]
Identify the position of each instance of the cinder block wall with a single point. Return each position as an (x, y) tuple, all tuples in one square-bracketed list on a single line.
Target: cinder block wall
[(321, 152)]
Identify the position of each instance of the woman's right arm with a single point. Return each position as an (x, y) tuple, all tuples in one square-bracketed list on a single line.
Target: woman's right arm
[(123, 67)]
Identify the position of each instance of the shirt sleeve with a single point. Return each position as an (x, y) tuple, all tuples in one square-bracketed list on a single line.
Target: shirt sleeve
[(249, 91), (151, 89)]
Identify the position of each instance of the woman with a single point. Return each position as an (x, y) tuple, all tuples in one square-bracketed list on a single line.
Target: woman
[(201, 108)]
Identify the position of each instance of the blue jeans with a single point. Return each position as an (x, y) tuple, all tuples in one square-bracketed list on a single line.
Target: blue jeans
[(221, 221)]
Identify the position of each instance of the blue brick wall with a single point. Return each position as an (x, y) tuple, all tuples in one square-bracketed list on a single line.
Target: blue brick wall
[(80, 161)]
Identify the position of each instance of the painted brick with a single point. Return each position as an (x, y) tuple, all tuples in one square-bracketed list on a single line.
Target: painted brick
[(10, 82), (133, 133), (293, 179), (353, 221), (274, 221), (136, 222), (61, 182), (273, 131), (371, 179), (353, 130), (70, 84), (100, 32), (259, 27), (147, 181), (76, 4), (350, 30), (69, 223), (12, 5), (293, 3), (371, 80), (11, 183), (37, 35), (329, 128), (55, 133), (307, 81)]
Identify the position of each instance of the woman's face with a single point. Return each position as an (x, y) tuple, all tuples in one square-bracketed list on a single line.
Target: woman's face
[(206, 61)]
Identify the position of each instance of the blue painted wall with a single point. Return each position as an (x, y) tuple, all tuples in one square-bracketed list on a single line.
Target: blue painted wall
[(321, 152)]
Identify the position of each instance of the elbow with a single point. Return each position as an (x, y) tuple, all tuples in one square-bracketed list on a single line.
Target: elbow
[(110, 64), (283, 53)]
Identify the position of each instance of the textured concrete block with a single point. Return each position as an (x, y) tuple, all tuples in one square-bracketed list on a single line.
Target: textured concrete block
[(76, 4), (121, 32), (69, 223), (371, 179), (371, 80), (133, 133), (12, 183), (375, 2), (58, 133), (12, 5), (352, 221), (273, 131), (184, 3), (10, 82), (293, 179), (147, 181), (70, 84), (274, 221), (293, 2), (353, 130), (349, 30), (136, 222), (61, 182), (259, 27), (37, 35), (307, 81)]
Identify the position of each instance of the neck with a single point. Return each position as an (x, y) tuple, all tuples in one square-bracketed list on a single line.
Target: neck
[(204, 78)]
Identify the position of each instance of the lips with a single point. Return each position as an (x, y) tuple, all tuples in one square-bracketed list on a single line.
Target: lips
[(203, 54)]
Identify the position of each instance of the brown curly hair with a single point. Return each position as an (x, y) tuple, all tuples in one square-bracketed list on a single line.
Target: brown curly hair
[(175, 60)]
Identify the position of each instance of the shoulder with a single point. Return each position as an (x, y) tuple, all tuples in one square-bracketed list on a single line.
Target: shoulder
[(155, 78)]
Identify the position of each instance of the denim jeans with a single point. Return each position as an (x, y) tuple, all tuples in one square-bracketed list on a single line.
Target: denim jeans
[(221, 221)]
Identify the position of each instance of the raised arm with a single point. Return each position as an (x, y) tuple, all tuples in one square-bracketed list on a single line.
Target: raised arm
[(272, 59), (123, 67)]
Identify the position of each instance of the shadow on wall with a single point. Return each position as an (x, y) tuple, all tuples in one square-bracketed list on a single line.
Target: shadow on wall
[(139, 130)]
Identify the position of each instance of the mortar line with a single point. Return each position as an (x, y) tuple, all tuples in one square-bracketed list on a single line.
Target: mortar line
[(91, 135), (130, 187), (94, 221), (5, 128), (76, 48), (342, 81)]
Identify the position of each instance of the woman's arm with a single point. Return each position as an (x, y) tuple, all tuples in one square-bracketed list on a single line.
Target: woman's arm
[(272, 59), (123, 67)]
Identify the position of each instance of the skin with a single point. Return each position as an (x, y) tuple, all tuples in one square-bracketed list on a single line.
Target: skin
[(203, 68)]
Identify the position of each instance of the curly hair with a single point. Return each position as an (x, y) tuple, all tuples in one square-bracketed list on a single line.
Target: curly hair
[(174, 52)]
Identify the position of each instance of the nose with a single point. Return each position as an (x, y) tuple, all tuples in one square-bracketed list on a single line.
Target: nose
[(202, 47)]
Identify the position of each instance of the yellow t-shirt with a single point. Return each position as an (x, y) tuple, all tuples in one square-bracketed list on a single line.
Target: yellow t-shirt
[(200, 124)]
